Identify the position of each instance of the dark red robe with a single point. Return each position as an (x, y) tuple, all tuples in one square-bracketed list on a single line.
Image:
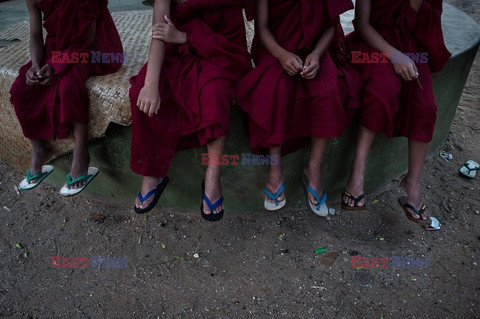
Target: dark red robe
[(47, 112), (196, 85), (390, 104), (287, 110)]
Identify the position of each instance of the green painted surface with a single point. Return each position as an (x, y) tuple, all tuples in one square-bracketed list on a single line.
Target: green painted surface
[(243, 184)]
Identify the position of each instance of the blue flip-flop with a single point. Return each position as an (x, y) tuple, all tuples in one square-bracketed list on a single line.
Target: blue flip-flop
[(276, 205), (321, 208), (157, 192), (211, 217)]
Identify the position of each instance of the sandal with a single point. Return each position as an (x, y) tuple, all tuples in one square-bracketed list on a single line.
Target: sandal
[(211, 217), (69, 191), (321, 208), (27, 184), (430, 224), (157, 192), (276, 205), (355, 208), (470, 169)]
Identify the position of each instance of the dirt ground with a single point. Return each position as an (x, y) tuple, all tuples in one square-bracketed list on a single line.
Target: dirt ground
[(256, 265)]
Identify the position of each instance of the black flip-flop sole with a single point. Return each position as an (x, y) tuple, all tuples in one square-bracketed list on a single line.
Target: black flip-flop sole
[(424, 223), (160, 188), (355, 208)]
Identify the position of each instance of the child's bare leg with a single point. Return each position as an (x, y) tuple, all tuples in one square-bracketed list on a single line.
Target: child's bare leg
[(213, 185), (313, 169), (357, 175), (417, 153), (275, 174), (81, 157), (40, 155)]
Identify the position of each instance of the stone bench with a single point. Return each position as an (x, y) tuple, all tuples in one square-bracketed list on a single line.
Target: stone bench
[(243, 184)]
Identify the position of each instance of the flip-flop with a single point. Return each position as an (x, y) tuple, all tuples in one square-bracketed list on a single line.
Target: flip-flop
[(321, 208), (156, 191), (470, 169), (68, 191), (27, 184), (276, 205), (430, 224), (211, 217), (355, 208)]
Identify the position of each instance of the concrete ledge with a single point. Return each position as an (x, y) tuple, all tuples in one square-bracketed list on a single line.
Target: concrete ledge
[(243, 184)]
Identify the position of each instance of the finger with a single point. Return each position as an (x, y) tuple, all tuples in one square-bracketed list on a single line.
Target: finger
[(139, 104), (157, 107), (411, 71), (310, 74), (299, 62), (168, 21), (151, 110), (42, 71), (309, 68), (415, 69)]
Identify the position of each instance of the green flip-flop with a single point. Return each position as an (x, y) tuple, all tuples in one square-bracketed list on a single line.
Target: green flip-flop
[(69, 191), (27, 183)]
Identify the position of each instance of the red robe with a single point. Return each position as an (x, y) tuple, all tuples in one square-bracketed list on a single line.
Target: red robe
[(47, 112), (390, 104), (196, 85), (287, 110)]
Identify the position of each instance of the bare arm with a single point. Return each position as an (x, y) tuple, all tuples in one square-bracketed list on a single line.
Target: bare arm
[(149, 98), (403, 65), (291, 63), (157, 47), (36, 42), (416, 4)]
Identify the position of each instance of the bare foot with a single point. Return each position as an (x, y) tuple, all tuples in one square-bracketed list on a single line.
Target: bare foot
[(81, 159), (273, 185), (213, 189), (148, 184), (41, 154), (355, 188), (414, 197), (315, 182)]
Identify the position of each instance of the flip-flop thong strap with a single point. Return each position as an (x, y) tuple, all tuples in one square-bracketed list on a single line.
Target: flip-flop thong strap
[(211, 206), (320, 201), (419, 212), (70, 182), (471, 169), (355, 199), (275, 196), (36, 176), (147, 196)]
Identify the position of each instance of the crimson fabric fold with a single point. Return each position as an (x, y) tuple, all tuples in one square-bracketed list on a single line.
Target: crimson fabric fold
[(196, 85), (391, 105), (47, 112), (288, 111)]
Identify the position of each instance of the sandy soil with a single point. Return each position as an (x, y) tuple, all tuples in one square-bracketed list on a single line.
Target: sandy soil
[(257, 265)]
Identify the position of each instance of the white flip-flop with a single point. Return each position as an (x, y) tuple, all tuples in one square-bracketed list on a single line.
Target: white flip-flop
[(470, 169), (275, 205), (67, 191), (27, 184)]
